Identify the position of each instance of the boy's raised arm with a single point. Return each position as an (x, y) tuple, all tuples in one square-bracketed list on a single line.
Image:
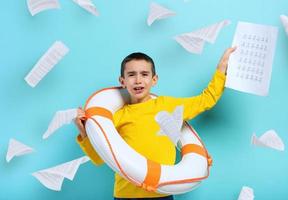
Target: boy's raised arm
[(210, 95)]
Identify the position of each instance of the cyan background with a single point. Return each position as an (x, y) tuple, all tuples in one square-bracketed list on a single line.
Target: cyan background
[(97, 46)]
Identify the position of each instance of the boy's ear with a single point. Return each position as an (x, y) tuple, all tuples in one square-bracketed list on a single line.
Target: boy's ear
[(154, 79), (121, 81)]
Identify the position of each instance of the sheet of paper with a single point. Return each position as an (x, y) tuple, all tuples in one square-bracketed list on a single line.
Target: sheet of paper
[(284, 20), (88, 5), (194, 41), (53, 55), (268, 139), (250, 66), (170, 124), (53, 178), (37, 6), (158, 12), (246, 193), (61, 118), (16, 148)]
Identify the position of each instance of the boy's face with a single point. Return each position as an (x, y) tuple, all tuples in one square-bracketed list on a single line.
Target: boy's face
[(138, 80)]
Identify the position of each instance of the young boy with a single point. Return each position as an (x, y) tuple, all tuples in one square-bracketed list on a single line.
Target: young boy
[(136, 123)]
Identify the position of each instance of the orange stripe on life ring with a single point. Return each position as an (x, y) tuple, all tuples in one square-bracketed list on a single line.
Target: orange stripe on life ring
[(98, 111), (152, 177), (195, 148)]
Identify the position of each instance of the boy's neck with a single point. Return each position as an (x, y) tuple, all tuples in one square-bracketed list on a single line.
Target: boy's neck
[(135, 101)]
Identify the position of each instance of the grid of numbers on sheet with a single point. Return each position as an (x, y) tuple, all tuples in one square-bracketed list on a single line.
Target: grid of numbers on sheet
[(252, 54)]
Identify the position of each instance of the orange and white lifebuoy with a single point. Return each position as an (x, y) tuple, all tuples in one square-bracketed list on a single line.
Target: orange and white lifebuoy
[(119, 156)]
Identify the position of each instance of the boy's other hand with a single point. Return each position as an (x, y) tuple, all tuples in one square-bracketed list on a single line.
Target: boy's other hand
[(223, 63), (79, 121)]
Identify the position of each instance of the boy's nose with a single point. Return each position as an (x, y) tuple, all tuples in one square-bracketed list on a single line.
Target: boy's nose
[(138, 79)]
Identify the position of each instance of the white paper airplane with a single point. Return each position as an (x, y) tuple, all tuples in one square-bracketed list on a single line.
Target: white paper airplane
[(158, 12), (53, 178), (37, 6), (268, 139), (53, 55), (61, 118), (87, 5), (17, 148), (284, 20), (246, 193), (170, 124), (194, 41)]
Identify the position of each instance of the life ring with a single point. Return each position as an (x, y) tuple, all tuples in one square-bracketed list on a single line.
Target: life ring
[(120, 157)]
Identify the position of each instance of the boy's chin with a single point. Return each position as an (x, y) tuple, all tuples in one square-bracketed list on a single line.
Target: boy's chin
[(138, 97)]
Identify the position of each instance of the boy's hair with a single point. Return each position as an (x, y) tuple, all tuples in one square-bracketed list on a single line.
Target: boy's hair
[(137, 56)]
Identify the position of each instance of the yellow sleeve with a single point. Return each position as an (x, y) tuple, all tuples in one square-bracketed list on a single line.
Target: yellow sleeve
[(206, 100), (89, 150)]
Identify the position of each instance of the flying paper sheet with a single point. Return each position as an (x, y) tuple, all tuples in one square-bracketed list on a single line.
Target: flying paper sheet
[(53, 55), (284, 20), (60, 118), (87, 5), (268, 139), (37, 6), (53, 178), (158, 12), (194, 41), (246, 193), (171, 124), (17, 148), (250, 66)]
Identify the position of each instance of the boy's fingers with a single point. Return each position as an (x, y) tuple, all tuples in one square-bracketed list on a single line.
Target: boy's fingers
[(228, 52), (80, 113), (231, 50), (81, 118)]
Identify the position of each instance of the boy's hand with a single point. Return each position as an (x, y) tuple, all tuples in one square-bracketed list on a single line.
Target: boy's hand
[(79, 121), (223, 63)]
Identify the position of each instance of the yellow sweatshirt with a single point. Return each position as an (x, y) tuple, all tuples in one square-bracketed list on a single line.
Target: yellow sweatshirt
[(137, 126)]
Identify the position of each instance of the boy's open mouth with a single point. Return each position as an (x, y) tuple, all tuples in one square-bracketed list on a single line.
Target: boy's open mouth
[(138, 89)]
